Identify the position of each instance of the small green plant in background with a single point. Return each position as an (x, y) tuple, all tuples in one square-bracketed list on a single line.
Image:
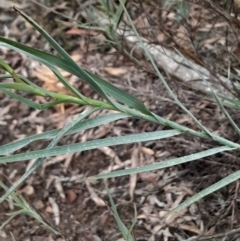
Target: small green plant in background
[(115, 99), (180, 6), (24, 209), (126, 233)]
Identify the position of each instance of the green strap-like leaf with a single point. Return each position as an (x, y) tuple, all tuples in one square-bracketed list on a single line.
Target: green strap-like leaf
[(22, 99), (51, 61), (96, 85), (149, 56), (89, 145), (83, 125), (40, 159), (121, 225), (23, 87), (222, 183), (235, 126), (164, 164), (4, 66)]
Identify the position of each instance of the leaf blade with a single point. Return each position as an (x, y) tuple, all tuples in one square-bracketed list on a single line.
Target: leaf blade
[(164, 164), (89, 145), (84, 125)]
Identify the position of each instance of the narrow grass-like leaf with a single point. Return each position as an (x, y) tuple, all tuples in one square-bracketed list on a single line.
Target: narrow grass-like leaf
[(12, 216), (226, 113), (217, 100), (129, 236), (13, 238), (25, 209), (234, 103), (60, 98), (118, 15), (121, 225), (87, 77), (50, 61), (83, 125), (68, 86), (28, 82), (222, 183), (43, 57), (40, 159), (160, 75), (22, 99), (89, 145), (4, 66), (23, 87), (51, 41), (164, 164), (46, 105)]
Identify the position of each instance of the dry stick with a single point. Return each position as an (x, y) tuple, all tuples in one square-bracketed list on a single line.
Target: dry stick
[(215, 236), (170, 61)]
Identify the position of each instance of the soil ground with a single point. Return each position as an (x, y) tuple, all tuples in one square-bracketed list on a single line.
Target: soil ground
[(84, 206)]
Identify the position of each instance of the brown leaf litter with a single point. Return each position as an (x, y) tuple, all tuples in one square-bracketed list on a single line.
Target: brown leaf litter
[(60, 188)]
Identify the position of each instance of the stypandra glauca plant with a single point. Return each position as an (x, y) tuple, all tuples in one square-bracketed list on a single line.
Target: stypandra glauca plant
[(124, 104)]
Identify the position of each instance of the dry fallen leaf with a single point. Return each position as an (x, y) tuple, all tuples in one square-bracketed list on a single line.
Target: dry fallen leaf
[(148, 151), (111, 153), (104, 218), (148, 177), (38, 204), (71, 196), (237, 2), (161, 37), (55, 210), (50, 81), (48, 209), (8, 4), (28, 190), (192, 229), (98, 201), (174, 216), (115, 71), (59, 188), (133, 177), (78, 31)]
